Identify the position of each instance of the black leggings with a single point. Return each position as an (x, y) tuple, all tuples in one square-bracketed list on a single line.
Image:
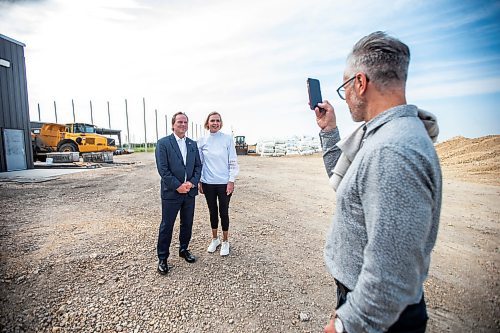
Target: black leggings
[(212, 193)]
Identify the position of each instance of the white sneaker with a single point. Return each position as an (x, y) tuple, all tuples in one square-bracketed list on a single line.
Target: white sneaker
[(213, 245), (224, 249)]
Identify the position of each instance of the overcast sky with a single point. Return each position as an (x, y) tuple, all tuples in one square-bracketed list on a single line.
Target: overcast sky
[(249, 60)]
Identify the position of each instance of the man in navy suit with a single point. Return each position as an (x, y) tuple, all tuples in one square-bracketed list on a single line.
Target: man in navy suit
[(179, 166)]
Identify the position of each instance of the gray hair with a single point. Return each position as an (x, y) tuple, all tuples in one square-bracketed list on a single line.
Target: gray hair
[(384, 59)]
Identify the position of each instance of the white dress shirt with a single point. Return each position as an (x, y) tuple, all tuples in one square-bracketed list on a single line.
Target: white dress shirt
[(181, 142)]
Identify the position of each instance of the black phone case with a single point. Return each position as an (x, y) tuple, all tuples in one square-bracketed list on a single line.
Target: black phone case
[(314, 90)]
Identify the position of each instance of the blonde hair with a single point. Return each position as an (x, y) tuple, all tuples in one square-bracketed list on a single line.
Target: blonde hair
[(208, 117)]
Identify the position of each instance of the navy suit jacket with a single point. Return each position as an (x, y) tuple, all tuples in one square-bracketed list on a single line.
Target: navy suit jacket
[(171, 167)]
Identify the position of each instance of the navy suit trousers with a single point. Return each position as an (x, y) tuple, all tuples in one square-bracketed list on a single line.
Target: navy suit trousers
[(169, 211)]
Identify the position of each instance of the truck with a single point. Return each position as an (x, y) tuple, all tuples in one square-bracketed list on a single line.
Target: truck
[(73, 137)]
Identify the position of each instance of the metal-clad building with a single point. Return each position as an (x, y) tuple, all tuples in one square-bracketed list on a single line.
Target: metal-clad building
[(15, 137)]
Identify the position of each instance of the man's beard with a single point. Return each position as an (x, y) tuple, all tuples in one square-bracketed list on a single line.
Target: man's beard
[(357, 107)]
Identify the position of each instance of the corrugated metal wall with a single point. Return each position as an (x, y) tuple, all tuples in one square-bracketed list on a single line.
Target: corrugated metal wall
[(14, 111)]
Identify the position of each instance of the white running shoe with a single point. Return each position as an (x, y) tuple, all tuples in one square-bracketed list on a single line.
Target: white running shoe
[(213, 245), (224, 249)]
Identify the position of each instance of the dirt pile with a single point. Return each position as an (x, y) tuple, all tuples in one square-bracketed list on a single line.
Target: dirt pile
[(474, 160)]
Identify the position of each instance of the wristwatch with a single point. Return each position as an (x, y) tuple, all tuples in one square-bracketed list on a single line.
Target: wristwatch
[(339, 327)]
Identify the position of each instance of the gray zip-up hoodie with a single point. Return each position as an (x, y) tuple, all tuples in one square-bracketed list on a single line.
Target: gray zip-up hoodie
[(386, 219)]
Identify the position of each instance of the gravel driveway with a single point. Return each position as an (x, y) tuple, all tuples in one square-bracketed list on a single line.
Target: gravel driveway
[(78, 255)]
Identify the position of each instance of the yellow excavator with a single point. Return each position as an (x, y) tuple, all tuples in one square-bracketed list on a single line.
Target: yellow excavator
[(240, 145)]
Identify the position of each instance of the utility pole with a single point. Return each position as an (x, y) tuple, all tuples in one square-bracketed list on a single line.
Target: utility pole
[(109, 117), (156, 122), (145, 136), (126, 116), (166, 125), (55, 110), (91, 114)]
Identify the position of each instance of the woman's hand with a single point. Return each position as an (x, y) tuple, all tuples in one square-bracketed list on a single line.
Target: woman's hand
[(230, 188)]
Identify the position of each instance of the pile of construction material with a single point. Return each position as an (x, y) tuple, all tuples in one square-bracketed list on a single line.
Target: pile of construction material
[(304, 145), (62, 157), (98, 157)]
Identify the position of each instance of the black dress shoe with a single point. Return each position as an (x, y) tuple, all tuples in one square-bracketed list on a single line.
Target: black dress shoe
[(187, 256), (162, 267)]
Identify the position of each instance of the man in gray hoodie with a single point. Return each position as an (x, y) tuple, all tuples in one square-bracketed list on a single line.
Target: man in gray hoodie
[(388, 194)]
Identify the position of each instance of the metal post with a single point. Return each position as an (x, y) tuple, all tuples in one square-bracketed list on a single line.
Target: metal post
[(73, 106), (145, 136), (39, 119), (126, 116), (166, 125), (55, 110), (156, 120), (91, 114), (109, 117)]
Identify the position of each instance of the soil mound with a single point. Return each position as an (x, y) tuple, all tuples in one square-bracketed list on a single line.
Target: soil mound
[(475, 160)]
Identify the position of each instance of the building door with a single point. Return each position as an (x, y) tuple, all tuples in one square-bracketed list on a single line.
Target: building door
[(15, 154)]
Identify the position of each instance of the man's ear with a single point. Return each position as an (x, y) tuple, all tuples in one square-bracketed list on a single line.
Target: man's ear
[(361, 82)]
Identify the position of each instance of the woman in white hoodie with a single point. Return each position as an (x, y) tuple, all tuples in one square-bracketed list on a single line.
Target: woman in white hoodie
[(220, 168)]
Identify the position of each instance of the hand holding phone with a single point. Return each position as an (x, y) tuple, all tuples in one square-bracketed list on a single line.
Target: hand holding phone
[(325, 116), (314, 90)]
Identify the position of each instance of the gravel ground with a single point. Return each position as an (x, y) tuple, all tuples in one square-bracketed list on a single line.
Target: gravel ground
[(77, 254)]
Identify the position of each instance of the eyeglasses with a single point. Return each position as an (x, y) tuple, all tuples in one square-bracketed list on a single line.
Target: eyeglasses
[(341, 89)]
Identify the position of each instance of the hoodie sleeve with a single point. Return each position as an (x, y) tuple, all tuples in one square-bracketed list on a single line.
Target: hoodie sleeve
[(331, 152), (232, 160)]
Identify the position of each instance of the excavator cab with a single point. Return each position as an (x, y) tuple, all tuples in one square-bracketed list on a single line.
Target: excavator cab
[(240, 145)]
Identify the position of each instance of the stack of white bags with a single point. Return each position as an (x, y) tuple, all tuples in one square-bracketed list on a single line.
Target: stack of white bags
[(304, 145)]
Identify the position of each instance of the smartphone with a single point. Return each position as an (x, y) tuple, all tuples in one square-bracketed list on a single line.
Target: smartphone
[(314, 91)]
